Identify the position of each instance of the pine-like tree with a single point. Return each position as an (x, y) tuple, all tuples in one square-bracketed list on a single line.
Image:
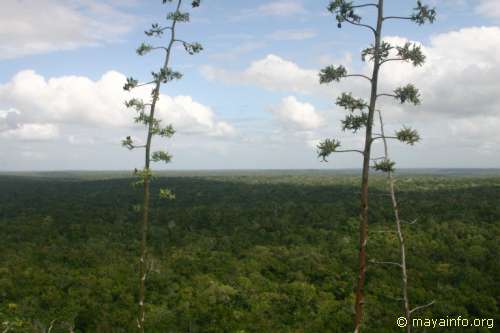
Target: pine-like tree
[(146, 116), (361, 113)]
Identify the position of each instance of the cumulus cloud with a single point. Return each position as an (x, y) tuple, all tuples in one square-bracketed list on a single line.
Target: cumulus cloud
[(459, 85), (32, 132), (271, 72), (281, 8), (296, 114), (41, 26), (76, 100), (459, 78)]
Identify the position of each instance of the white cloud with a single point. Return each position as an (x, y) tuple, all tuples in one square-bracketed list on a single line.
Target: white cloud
[(292, 34), (80, 101), (32, 132), (41, 26), (296, 114), (460, 76), (272, 72), (281, 8)]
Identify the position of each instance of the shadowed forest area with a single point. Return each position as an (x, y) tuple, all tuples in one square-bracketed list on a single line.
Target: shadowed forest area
[(243, 252)]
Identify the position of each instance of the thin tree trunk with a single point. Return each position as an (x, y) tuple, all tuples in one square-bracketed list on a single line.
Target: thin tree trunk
[(402, 250), (363, 228), (145, 208)]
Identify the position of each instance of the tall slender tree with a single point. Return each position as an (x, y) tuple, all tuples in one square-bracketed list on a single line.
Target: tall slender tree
[(361, 113), (146, 116), (386, 165)]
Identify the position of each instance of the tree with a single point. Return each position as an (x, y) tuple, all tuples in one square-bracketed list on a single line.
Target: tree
[(361, 113), (385, 164), (146, 116)]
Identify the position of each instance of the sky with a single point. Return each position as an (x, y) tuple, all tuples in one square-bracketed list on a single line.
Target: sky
[(252, 98)]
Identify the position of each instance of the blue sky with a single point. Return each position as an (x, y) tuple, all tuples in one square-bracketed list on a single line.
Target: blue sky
[(251, 99)]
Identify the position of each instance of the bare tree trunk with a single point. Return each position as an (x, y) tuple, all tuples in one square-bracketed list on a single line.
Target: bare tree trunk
[(363, 228), (402, 250)]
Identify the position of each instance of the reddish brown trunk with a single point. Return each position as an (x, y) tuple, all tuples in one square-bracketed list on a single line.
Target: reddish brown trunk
[(363, 226)]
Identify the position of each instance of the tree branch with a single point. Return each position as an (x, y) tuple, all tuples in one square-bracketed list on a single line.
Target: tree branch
[(391, 59), (361, 25), (421, 307), (349, 151), (397, 18), (359, 75), (410, 223), (385, 263), (145, 84), (384, 137), (365, 5), (159, 48), (387, 95)]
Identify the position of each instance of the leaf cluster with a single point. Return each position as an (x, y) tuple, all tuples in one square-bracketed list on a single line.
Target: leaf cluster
[(128, 143), (141, 175), (137, 104), (408, 135), (192, 48), (326, 148), (143, 49), (371, 52), (178, 16), (161, 156), (423, 13), (355, 122), (165, 75), (343, 11), (350, 103), (167, 194), (384, 165), (155, 30), (408, 93), (130, 84), (411, 52), (332, 73)]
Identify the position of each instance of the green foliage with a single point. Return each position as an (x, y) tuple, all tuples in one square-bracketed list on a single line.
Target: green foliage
[(423, 14), (137, 104), (383, 52), (192, 48), (350, 103), (178, 16), (411, 53), (154, 31), (384, 165), (161, 156), (128, 143), (332, 73), (326, 148), (354, 122), (130, 84), (408, 135), (166, 194), (343, 11), (242, 252), (166, 132), (141, 175), (408, 93), (166, 75), (144, 48)]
